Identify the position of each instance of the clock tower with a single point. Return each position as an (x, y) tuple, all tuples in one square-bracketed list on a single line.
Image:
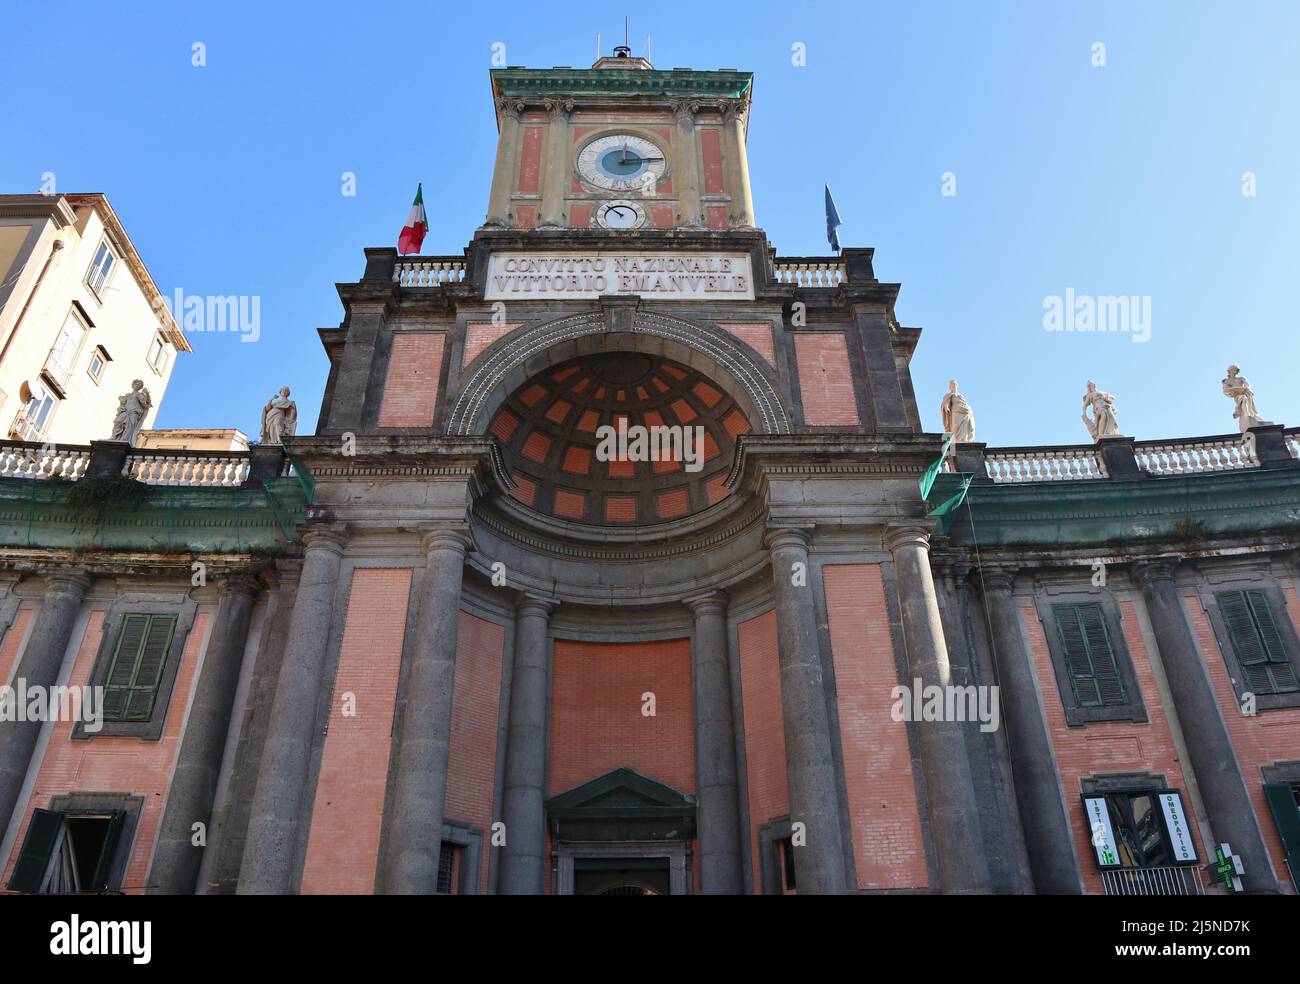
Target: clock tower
[(621, 145)]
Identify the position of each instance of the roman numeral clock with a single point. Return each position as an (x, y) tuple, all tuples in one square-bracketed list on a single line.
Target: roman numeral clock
[(621, 162)]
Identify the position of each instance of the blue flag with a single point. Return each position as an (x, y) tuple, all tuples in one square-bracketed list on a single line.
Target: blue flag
[(832, 221)]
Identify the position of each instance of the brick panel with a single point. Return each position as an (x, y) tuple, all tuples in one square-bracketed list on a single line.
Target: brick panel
[(1106, 746), (476, 696), (13, 639), (343, 846), (116, 765), (1270, 736), (757, 335), (596, 719), (479, 335), (411, 384), (825, 379), (760, 695), (711, 152), (530, 160), (888, 846)]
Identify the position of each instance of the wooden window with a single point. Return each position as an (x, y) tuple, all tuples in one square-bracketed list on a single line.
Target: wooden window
[(1089, 656), (1256, 643), (131, 686)]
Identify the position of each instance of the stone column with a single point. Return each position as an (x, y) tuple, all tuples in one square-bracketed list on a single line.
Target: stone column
[(687, 178), (715, 749), (1208, 746), (814, 797), (523, 858), (954, 815), (39, 667), (509, 113), (271, 841), (734, 113), (1033, 767), (176, 861), (420, 782), (556, 178)]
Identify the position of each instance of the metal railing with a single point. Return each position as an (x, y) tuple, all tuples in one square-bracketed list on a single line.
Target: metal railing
[(1184, 880)]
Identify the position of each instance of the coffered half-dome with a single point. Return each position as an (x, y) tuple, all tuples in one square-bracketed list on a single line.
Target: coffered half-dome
[(558, 451)]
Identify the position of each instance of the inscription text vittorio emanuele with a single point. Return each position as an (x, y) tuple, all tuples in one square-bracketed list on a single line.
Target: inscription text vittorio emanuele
[(666, 276)]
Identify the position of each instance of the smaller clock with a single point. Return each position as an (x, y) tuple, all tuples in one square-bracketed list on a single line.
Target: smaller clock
[(620, 214)]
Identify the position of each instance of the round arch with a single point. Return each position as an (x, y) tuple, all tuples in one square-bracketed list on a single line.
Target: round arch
[(524, 353)]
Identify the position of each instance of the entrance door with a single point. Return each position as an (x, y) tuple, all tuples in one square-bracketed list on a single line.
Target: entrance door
[(621, 876)]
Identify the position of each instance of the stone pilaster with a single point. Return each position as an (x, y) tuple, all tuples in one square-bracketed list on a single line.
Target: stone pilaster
[(272, 838), (509, 114), (687, 176), (735, 113), (523, 858), (1033, 766), (176, 860), (954, 814), (39, 666), (556, 177), (1208, 745), (715, 749), (814, 796), (420, 782)]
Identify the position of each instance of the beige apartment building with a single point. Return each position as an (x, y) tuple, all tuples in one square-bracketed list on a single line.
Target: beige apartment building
[(80, 318)]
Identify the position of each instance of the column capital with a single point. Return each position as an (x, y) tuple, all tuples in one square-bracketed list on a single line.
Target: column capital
[(511, 108), (1000, 578), (778, 537), (911, 535), (453, 538), (558, 108), (708, 603), (530, 604), (1149, 572), (734, 110), (63, 580), (684, 110), (242, 583), (331, 538)]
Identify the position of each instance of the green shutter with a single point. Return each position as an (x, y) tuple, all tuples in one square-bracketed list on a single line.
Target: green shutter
[(38, 847), (131, 686), (1257, 643), (1286, 814), (106, 853), (1089, 656)]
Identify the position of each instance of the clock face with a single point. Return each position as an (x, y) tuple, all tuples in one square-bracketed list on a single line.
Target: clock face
[(622, 162), (620, 214)]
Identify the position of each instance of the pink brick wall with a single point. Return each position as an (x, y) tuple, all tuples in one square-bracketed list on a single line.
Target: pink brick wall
[(1268, 737), (757, 335), (481, 334), (13, 639), (711, 154), (471, 767), (888, 846), (411, 384), (116, 765), (760, 694), (825, 379), (343, 846), (530, 163), (1106, 746)]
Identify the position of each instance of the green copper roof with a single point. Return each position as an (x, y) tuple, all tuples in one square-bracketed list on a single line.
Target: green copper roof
[(683, 83)]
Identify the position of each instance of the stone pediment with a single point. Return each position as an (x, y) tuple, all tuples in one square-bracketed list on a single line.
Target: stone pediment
[(622, 804)]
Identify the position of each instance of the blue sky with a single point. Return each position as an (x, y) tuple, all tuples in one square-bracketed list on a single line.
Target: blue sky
[(1117, 180)]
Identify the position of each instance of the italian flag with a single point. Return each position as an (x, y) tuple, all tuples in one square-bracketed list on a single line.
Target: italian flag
[(417, 224)]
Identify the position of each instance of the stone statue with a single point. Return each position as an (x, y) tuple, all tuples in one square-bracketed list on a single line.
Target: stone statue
[(958, 418), (132, 408), (1103, 422), (1238, 390), (279, 418)]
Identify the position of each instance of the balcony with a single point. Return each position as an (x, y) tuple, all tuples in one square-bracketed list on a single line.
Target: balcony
[(1181, 880)]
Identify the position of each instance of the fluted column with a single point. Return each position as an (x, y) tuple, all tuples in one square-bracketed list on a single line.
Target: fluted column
[(523, 858), (715, 749), (176, 860), (734, 114), (420, 782), (556, 178), (687, 178), (271, 841), (954, 814), (509, 113), (1033, 767), (39, 667), (810, 766), (1208, 745)]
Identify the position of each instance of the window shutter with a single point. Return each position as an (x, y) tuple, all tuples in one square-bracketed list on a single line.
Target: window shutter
[(1281, 672), (1079, 667), (38, 848), (1286, 814), (1102, 654), (102, 870), (132, 684), (1256, 642)]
